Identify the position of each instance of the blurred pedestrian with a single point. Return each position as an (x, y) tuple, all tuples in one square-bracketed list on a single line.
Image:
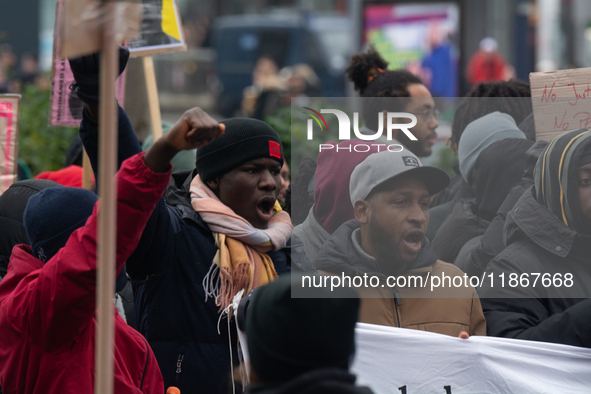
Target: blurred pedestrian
[(441, 63), (487, 64), (263, 97), (29, 69)]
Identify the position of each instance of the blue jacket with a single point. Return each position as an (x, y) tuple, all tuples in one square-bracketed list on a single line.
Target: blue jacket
[(167, 269)]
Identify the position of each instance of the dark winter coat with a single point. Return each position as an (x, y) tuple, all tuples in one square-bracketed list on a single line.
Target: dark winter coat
[(491, 243), (439, 213), (546, 233), (322, 381), (539, 243), (461, 225), (174, 255), (498, 168), (450, 191)]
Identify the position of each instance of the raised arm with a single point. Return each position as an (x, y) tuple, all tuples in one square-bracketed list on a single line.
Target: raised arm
[(56, 302), (86, 73)]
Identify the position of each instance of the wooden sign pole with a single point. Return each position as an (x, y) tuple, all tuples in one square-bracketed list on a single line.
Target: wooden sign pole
[(153, 102), (86, 171), (107, 224)]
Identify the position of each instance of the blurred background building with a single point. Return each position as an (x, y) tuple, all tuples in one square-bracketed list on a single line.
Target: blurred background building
[(226, 38)]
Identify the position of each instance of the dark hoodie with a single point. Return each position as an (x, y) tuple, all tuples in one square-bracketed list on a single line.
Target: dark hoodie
[(545, 233), (443, 311), (323, 381), (497, 170), (474, 261)]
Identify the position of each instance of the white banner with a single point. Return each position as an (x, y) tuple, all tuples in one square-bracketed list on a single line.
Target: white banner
[(398, 360)]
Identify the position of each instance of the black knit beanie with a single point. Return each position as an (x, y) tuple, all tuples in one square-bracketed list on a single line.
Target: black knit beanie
[(53, 214), (244, 139), (290, 336)]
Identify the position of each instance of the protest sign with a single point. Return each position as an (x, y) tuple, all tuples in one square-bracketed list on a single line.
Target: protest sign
[(83, 22), (398, 360), (161, 29), (8, 139), (66, 107), (560, 101)]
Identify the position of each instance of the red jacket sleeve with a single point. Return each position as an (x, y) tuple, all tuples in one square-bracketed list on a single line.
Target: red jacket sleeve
[(56, 304)]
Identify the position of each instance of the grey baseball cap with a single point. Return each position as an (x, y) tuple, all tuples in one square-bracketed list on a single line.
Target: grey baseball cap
[(383, 166)]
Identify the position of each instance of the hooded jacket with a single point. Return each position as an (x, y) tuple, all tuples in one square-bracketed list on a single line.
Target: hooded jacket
[(446, 311), (474, 261), (307, 239), (545, 233), (321, 381), (497, 169), (167, 270), (47, 310)]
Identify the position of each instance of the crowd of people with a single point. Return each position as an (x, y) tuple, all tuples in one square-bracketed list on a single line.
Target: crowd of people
[(197, 245), (14, 75)]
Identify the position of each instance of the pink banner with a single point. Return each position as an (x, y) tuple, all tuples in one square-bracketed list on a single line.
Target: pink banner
[(66, 108), (9, 106)]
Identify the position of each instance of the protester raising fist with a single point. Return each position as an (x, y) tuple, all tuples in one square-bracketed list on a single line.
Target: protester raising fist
[(193, 130)]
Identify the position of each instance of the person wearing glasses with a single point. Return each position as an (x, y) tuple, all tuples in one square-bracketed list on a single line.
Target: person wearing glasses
[(393, 91)]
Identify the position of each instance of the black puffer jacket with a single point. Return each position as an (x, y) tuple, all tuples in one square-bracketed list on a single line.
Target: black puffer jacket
[(461, 225), (438, 214), (491, 243), (548, 241), (497, 169), (539, 243)]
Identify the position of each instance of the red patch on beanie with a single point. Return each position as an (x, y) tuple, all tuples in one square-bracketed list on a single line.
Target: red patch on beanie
[(274, 149)]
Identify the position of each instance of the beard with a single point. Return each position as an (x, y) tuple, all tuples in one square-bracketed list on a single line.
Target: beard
[(416, 147), (390, 259)]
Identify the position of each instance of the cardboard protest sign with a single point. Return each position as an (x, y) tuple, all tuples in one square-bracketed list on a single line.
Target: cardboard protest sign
[(561, 101), (161, 29), (82, 26), (66, 107), (398, 360), (9, 110)]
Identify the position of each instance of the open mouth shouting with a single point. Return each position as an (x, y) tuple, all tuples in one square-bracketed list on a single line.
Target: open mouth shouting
[(265, 207), (413, 241)]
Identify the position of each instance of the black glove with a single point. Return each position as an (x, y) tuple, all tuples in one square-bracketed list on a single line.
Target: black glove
[(86, 74)]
